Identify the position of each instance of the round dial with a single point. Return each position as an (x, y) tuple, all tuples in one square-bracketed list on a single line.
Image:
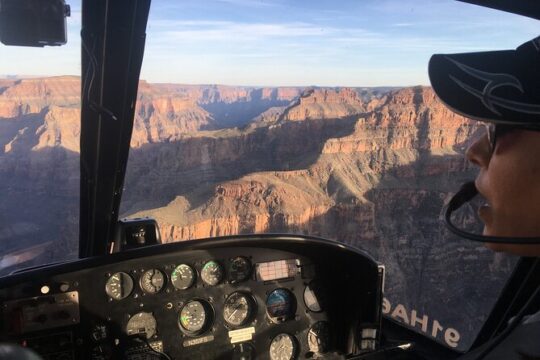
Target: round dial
[(238, 309), (142, 323), (314, 297), (319, 337), (212, 273), (283, 347), (183, 277), (239, 269), (194, 317), (280, 305), (152, 281), (119, 286)]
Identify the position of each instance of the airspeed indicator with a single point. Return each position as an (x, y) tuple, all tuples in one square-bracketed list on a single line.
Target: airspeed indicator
[(195, 317)]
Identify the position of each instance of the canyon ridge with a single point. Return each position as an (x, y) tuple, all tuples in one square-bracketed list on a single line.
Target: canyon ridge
[(369, 167)]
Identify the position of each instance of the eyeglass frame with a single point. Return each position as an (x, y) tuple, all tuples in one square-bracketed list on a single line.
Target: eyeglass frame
[(493, 131)]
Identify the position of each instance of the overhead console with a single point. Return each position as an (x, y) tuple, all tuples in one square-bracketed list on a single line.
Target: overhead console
[(251, 297)]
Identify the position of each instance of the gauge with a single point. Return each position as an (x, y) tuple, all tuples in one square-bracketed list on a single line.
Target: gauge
[(152, 281), (183, 277), (119, 286), (243, 351), (319, 337), (238, 308), (239, 269), (212, 273), (280, 305), (313, 297), (143, 323), (283, 347), (195, 316)]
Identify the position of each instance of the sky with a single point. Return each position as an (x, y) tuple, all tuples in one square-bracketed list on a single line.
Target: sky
[(293, 42)]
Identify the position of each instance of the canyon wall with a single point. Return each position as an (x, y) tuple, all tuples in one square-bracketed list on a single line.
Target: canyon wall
[(368, 167)]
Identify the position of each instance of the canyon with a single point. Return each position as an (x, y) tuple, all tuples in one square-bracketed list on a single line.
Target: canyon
[(369, 167)]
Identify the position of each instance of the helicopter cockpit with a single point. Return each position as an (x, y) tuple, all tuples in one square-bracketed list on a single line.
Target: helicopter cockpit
[(257, 239)]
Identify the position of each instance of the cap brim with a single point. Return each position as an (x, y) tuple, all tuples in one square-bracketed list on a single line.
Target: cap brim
[(488, 86)]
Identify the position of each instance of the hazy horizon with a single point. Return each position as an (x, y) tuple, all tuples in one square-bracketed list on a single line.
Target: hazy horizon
[(22, 77), (265, 43)]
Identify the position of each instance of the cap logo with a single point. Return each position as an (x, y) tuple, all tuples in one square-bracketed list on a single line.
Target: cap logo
[(494, 81)]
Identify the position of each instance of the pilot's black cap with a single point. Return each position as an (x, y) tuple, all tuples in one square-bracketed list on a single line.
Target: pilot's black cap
[(497, 86)]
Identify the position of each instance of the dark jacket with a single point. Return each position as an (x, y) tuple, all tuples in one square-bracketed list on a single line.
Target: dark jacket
[(523, 343)]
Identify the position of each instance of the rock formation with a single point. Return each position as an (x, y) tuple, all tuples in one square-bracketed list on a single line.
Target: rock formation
[(368, 167)]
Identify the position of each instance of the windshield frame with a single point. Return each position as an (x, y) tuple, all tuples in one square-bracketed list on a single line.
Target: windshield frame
[(111, 64), (101, 193)]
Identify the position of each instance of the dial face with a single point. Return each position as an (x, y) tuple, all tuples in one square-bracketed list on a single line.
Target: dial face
[(280, 305), (119, 286), (240, 269), (183, 277), (152, 281), (318, 337), (313, 297), (142, 323), (212, 273), (238, 309), (194, 317), (283, 347)]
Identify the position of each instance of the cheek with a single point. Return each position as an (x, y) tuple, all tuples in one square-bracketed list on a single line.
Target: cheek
[(513, 183), (514, 195)]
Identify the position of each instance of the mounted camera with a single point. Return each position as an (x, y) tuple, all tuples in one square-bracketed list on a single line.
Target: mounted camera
[(135, 233), (36, 23)]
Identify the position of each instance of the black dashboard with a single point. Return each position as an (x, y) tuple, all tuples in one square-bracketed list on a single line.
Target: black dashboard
[(245, 297)]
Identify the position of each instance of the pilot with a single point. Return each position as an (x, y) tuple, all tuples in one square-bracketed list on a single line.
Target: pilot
[(501, 89)]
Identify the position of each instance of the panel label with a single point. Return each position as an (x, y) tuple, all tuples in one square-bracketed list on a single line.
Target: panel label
[(198, 341), (241, 335)]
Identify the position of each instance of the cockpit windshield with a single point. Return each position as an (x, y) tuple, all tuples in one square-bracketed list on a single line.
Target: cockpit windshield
[(39, 151), (274, 117)]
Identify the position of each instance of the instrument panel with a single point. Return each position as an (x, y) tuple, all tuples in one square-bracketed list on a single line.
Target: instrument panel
[(251, 297)]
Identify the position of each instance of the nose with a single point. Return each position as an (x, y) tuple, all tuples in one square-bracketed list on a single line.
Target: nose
[(479, 152)]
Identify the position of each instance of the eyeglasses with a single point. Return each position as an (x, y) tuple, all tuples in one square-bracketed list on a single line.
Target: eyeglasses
[(491, 132), (495, 131)]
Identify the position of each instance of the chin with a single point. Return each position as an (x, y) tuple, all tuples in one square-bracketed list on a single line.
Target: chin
[(487, 231)]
